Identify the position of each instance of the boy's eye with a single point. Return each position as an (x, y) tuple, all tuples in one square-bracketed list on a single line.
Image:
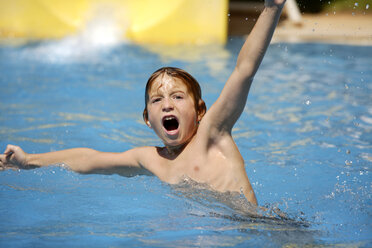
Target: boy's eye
[(177, 97), (155, 100)]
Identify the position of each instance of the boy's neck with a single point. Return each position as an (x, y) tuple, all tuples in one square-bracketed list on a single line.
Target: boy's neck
[(172, 152)]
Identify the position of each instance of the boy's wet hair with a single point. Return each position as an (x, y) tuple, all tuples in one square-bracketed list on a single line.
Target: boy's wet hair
[(192, 85)]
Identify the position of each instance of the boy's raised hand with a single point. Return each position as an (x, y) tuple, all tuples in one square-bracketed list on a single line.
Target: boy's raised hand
[(13, 157)]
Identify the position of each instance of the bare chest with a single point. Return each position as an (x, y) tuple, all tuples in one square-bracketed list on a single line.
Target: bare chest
[(214, 168)]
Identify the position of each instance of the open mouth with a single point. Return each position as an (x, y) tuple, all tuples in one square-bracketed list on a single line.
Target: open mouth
[(170, 123)]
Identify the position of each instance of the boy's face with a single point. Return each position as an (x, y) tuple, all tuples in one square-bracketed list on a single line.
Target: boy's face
[(171, 111)]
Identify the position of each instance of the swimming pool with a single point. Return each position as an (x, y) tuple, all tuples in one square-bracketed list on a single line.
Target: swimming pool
[(305, 136)]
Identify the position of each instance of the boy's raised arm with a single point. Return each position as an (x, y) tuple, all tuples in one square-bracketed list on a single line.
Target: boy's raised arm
[(83, 160), (229, 106)]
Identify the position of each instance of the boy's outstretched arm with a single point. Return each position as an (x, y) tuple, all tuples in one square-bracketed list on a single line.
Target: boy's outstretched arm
[(229, 106), (83, 160)]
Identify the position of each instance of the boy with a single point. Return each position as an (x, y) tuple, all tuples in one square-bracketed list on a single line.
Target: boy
[(198, 144)]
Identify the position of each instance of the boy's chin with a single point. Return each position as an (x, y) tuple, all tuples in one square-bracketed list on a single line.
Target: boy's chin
[(172, 143)]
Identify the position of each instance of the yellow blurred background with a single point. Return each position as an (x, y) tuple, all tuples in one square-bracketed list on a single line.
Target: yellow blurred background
[(140, 21)]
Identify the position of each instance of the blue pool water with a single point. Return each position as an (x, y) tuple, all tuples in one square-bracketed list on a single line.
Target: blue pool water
[(305, 135)]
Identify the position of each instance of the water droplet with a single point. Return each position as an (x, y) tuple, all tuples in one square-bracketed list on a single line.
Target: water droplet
[(348, 162), (228, 14), (356, 4), (367, 6), (308, 102), (246, 18)]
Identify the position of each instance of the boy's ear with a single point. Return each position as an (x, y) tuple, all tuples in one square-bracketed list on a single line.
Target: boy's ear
[(202, 109), (145, 118), (148, 123)]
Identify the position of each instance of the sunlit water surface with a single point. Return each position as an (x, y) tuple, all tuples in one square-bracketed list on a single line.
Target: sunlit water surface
[(305, 136)]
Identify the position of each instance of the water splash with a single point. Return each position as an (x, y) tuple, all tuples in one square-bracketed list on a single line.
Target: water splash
[(206, 202), (101, 33)]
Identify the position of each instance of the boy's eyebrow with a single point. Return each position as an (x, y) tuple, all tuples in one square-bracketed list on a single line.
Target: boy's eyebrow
[(171, 93), (155, 95), (177, 91)]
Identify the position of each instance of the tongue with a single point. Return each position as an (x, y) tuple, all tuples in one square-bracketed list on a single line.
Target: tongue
[(171, 125)]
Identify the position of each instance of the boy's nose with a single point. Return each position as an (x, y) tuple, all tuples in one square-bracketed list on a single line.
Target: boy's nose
[(167, 105)]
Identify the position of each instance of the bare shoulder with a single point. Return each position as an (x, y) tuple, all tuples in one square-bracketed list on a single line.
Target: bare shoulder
[(213, 139), (150, 159), (219, 150), (144, 154)]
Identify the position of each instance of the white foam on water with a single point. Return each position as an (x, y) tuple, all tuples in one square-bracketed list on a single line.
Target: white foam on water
[(101, 33)]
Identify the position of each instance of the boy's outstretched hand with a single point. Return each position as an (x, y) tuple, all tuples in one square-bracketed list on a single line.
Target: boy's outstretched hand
[(13, 157)]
